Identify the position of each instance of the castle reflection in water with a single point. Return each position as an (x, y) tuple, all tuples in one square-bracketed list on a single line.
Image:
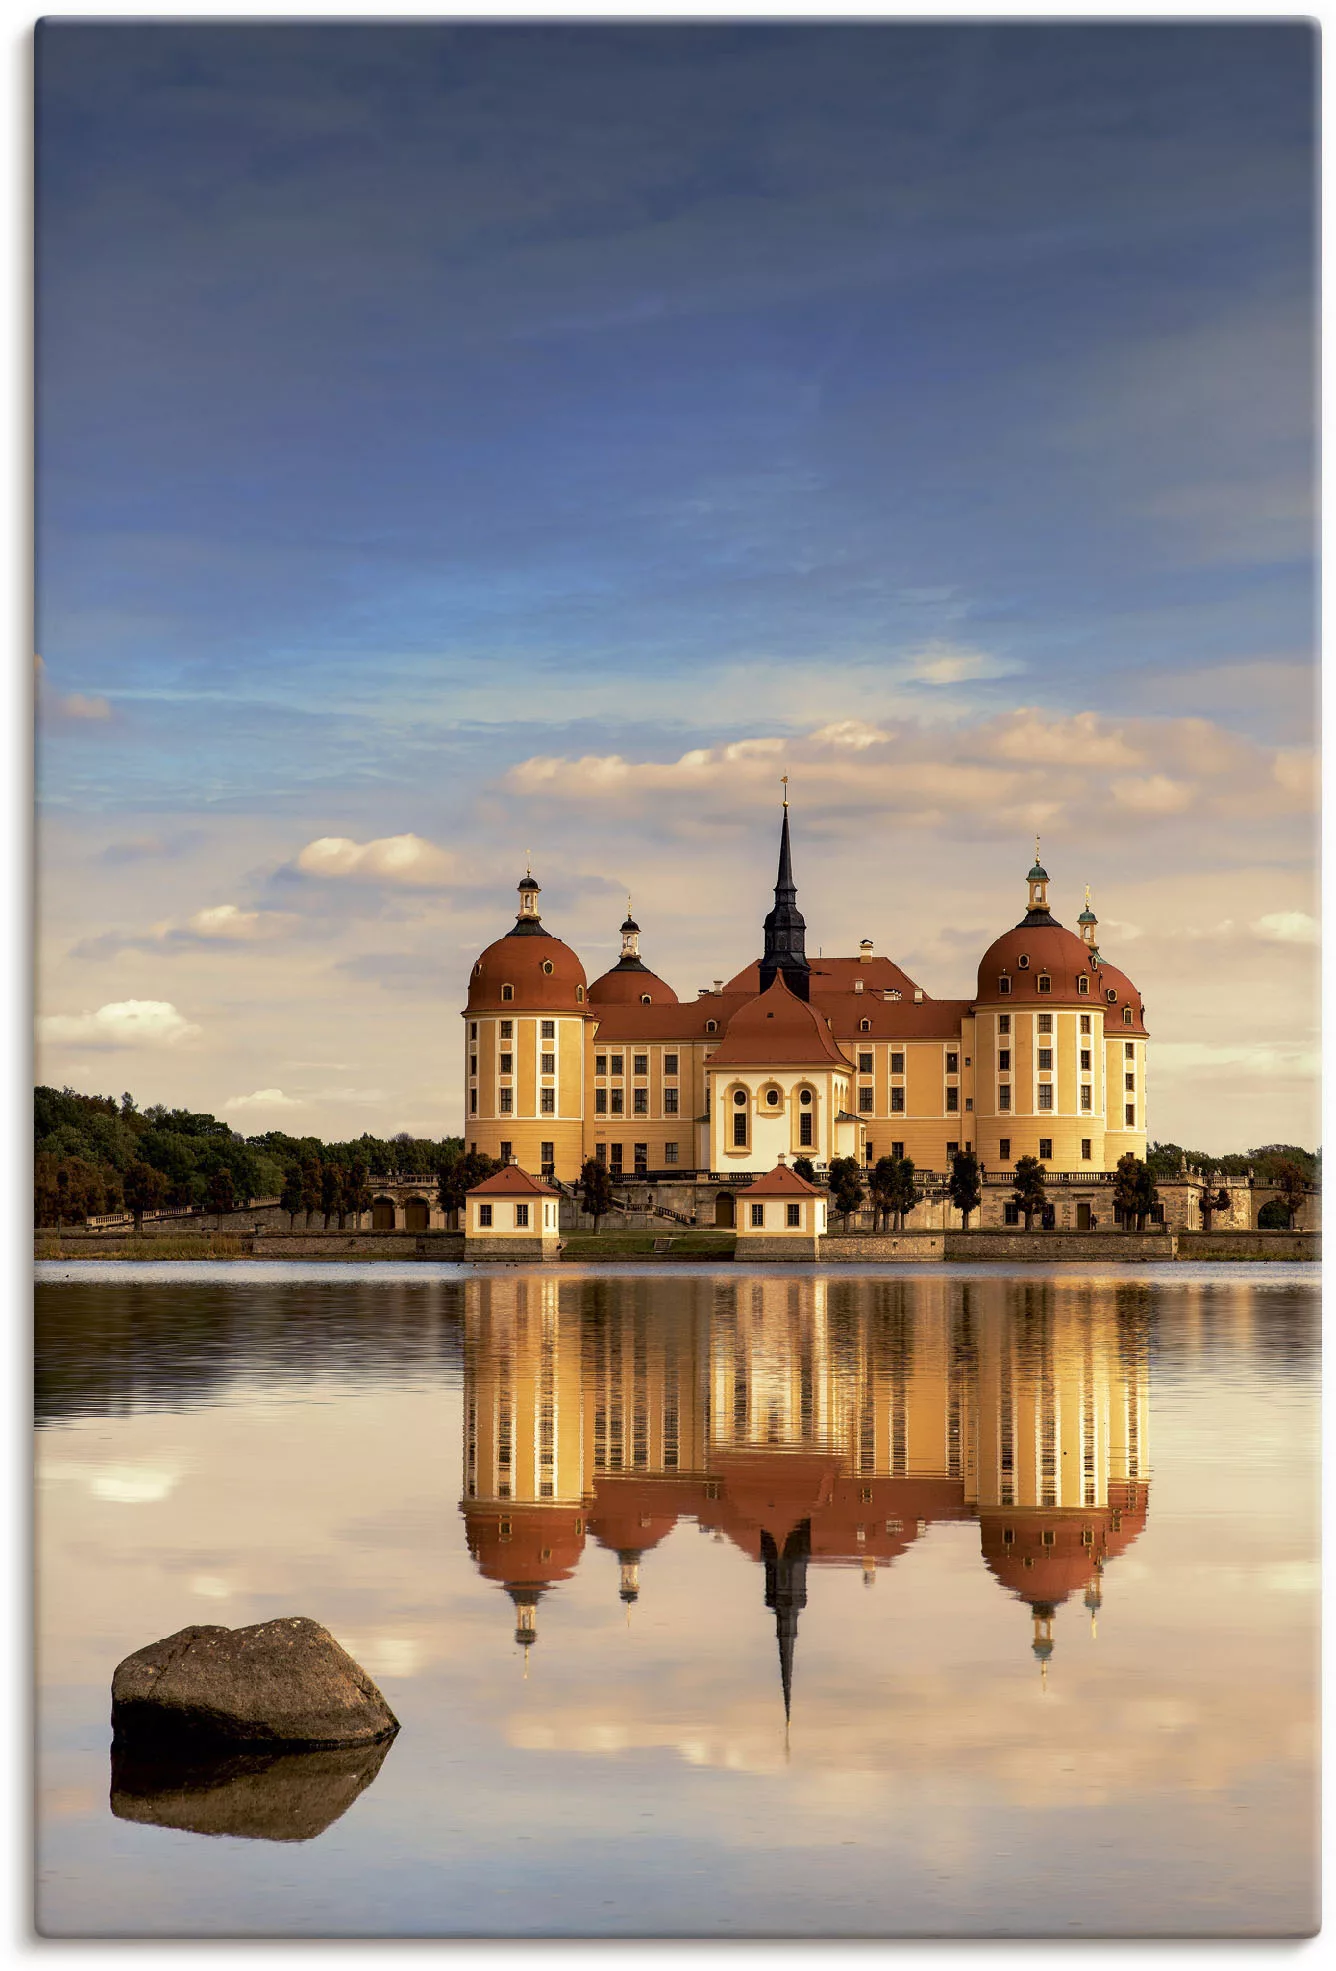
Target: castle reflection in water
[(814, 1423)]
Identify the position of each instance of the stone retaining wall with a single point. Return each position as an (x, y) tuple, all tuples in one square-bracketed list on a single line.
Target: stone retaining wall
[(843, 1248), (1249, 1245), (1061, 1248)]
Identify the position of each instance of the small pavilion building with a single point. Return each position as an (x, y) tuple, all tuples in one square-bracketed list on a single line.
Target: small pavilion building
[(512, 1215), (781, 1216)]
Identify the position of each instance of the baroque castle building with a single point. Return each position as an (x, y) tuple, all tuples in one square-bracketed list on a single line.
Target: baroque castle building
[(803, 1057)]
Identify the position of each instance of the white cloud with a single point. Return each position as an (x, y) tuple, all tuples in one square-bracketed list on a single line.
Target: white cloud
[(1152, 793), (1287, 927), (224, 920), (123, 1023), (940, 663), (402, 859), (263, 1098), (852, 733)]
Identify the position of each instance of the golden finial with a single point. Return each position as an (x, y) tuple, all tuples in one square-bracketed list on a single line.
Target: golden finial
[(1087, 896), (528, 862), (1036, 848), (785, 780), (628, 902)]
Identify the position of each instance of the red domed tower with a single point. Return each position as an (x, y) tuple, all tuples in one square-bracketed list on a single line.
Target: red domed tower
[(630, 982), (1059, 1046), (524, 1047)]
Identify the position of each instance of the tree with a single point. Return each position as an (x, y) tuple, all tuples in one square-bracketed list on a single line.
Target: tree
[(310, 1187), (595, 1190), (291, 1197), (963, 1186), (222, 1192), (330, 1188), (846, 1187), (1291, 1182), (893, 1190), (1028, 1188), (459, 1175), (805, 1168), (145, 1189), (357, 1191), (1134, 1192), (1211, 1202)]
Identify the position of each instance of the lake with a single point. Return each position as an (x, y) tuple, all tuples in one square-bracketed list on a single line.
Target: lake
[(712, 1600)]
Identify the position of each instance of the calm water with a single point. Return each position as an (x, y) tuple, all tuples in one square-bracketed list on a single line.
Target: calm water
[(1029, 1561)]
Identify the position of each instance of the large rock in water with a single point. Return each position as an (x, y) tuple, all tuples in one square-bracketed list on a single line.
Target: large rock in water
[(284, 1683)]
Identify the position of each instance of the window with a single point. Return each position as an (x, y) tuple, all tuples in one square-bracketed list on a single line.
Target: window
[(772, 1098), (640, 1101), (473, 1101), (953, 1063), (521, 1215), (579, 992), (1085, 1060), (897, 1064), (739, 1098), (805, 1099), (952, 1149), (1045, 982), (1087, 1149), (617, 1061), (616, 1153), (547, 1064), (600, 1152), (548, 1030), (547, 966), (865, 1100), (473, 1029), (507, 1029), (865, 1064), (805, 1131), (600, 1101), (865, 1026), (670, 1101), (1045, 1022), (1129, 1050), (507, 992), (1127, 1016), (1004, 1023), (758, 1214), (473, 1064), (505, 1152), (547, 1154), (507, 1101), (1046, 1094), (1085, 1022), (1004, 1096), (618, 1101), (670, 1153), (952, 1101), (1130, 1083), (547, 1101), (793, 1216), (1111, 996), (712, 1026), (1004, 985), (1083, 984), (1011, 1214), (600, 1064), (1085, 1098), (640, 1064), (898, 1150), (740, 1129), (969, 1102), (506, 1060), (1131, 1115), (1004, 1148), (484, 1215), (1022, 964), (897, 1101), (1046, 1058), (670, 1064), (641, 1154), (645, 999), (1004, 1060), (1045, 1149)]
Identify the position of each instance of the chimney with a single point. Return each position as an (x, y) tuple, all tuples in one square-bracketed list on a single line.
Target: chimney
[(865, 951), (718, 986), (918, 995)]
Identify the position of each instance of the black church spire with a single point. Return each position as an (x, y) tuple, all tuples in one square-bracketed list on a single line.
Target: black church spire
[(786, 1594), (785, 927)]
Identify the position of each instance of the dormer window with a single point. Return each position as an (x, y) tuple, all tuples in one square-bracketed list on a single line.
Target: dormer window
[(644, 999), (1044, 982), (858, 985), (865, 1026), (547, 966), (507, 992), (1083, 984), (1023, 963), (1111, 996), (712, 1026), (579, 992), (1004, 985), (1127, 1016)]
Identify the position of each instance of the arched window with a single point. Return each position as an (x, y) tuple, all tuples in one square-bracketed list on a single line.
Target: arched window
[(1083, 984), (865, 1026), (712, 1026), (579, 992), (1004, 985), (507, 992), (739, 1118), (1127, 1016), (644, 999)]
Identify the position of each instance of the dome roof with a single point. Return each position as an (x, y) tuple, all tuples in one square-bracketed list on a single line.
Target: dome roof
[(543, 974), (632, 1515), (1055, 953), (627, 984), (525, 1546)]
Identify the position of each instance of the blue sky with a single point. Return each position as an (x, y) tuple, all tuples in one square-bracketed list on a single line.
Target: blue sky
[(421, 402)]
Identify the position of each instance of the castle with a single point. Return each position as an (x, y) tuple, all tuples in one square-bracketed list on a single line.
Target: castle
[(803, 1057)]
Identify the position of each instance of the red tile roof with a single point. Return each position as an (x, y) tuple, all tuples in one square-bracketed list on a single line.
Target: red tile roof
[(512, 1182), (782, 1182), (778, 1030)]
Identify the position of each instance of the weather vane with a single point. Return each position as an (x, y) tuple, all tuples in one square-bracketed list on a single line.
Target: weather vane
[(785, 779)]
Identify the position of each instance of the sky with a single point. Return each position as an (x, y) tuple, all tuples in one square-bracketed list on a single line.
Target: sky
[(458, 442)]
